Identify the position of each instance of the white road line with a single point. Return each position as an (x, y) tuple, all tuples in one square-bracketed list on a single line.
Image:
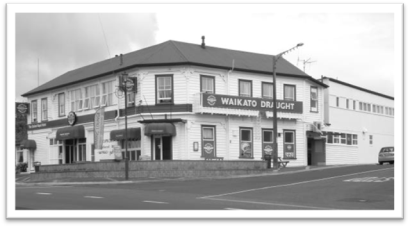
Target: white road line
[(43, 193), (232, 208), (22, 187), (93, 197), (286, 185), (147, 201), (272, 204)]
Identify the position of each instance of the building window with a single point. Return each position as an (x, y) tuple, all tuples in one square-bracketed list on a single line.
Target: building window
[(108, 94), (133, 149), (289, 92), (360, 106), (76, 100), (34, 111), (208, 84), (130, 98), (329, 138), (313, 99), (336, 138), (164, 89), (267, 136), (208, 141), (245, 88), (343, 138), (246, 143), (349, 139), (267, 90), (289, 145), (82, 143), (369, 108), (370, 139), (61, 104), (91, 96), (381, 110), (44, 110), (354, 139), (347, 103), (337, 101), (374, 109), (354, 105)]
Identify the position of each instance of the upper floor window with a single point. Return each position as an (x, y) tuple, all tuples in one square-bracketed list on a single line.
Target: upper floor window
[(91, 96), (289, 92), (44, 108), (347, 103), (164, 89), (76, 100), (61, 104), (245, 88), (354, 105), (108, 94), (34, 111), (313, 99), (208, 84), (267, 90), (337, 101)]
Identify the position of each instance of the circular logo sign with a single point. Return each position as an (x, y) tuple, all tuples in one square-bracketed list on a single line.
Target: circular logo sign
[(246, 148), (129, 85), (208, 148), (211, 100), (22, 108), (289, 147), (71, 118), (268, 149)]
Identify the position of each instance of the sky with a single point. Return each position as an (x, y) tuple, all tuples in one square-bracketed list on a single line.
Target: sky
[(354, 47), (361, 44)]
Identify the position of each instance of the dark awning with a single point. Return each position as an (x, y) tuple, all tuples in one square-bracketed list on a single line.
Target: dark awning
[(28, 144), (74, 132), (165, 129), (133, 134)]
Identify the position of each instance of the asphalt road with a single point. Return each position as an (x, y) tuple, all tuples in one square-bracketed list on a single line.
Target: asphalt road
[(369, 187)]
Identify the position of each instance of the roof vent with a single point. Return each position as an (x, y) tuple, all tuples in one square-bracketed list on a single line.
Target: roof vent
[(203, 42)]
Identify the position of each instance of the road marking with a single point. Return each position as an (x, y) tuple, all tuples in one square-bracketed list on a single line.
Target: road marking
[(22, 187), (232, 208), (43, 193), (147, 201), (292, 184), (272, 204), (93, 197), (370, 179)]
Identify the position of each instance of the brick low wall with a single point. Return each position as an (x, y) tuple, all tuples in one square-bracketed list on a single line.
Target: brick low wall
[(157, 169)]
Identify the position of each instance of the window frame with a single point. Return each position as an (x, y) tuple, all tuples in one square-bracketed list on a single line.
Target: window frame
[(34, 111), (239, 87), (294, 92), (172, 89), (42, 110), (201, 84), (262, 90), (251, 142), (62, 94), (317, 99)]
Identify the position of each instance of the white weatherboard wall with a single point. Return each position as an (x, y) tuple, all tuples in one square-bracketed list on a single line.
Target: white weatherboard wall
[(364, 124)]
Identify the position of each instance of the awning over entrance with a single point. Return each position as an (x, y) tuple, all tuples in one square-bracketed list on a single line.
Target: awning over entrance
[(133, 134), (74, 132), (28, 144), (165, 129)]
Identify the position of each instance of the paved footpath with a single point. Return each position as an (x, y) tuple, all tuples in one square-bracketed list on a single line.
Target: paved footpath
[(25, 180)]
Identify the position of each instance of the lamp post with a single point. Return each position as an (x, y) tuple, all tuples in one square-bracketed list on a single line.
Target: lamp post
[(125, 79), (275, 120)]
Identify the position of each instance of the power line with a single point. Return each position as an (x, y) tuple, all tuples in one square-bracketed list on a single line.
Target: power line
[(105, 38)]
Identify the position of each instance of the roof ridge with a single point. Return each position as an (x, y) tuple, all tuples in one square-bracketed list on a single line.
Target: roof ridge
[(182, 55)]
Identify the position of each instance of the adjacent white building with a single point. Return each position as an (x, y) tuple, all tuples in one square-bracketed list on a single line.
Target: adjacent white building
[(358, 123)]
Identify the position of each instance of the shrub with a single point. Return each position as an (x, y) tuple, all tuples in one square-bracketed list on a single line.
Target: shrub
[(21, 167)]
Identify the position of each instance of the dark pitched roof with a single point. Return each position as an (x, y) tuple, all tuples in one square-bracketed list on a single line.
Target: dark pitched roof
[(177, 53)]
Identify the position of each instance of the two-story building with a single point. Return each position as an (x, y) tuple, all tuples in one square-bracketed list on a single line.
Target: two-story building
[(358, 123), (190, 101)]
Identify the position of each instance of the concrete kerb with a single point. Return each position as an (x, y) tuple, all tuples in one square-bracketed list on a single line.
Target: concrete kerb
[(287, 170)]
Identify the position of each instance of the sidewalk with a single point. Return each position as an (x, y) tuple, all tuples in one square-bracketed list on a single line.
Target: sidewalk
[(24, 179)]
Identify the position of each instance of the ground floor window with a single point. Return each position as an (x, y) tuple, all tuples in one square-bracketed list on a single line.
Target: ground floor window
[(56, 151), (341, 138), (245, 143), (267, 142), (20, 156), (208, 141), (82, 143), (133, 149), (289, 145)]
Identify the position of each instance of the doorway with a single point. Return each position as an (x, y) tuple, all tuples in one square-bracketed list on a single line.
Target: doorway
[(316, 151), (69, 151), (162, 148)]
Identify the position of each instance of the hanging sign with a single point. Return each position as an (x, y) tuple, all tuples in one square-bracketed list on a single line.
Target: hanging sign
[(99, 128), (22, 108), (71, 118)]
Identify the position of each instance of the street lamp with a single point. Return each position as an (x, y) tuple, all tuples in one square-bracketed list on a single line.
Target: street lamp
[(275, 120)]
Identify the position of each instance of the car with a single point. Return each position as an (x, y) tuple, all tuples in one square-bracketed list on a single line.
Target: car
[(386, 154)]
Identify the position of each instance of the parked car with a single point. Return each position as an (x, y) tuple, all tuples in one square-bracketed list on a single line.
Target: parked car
[(386, 154)]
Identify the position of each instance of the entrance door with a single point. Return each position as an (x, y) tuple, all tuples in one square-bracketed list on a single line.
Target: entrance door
[(69, 151), (30, 164), (162, 148)]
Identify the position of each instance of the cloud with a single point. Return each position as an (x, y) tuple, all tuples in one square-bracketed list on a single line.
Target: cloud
[(63, 42)]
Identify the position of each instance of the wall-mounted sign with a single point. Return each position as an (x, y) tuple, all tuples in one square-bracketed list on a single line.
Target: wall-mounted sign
[(237, 102), (99, 128), (22, 108), (71, 118)]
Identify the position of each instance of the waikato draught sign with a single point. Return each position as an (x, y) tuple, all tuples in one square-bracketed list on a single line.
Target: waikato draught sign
[(237, 102)]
